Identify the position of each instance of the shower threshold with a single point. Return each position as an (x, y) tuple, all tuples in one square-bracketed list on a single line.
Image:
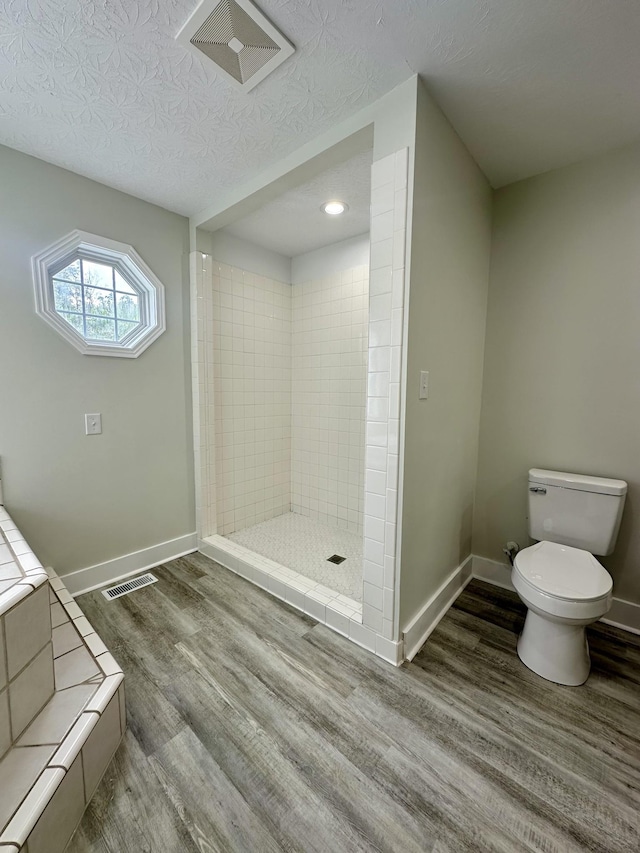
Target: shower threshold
[(334, 609)]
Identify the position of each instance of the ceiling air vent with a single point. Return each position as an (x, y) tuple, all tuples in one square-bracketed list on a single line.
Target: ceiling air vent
[(235, 35)]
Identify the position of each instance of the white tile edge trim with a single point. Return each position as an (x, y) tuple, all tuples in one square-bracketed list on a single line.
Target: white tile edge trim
[(94, 577), (388, 260), (240, 561), (427, 619), (623, 614)]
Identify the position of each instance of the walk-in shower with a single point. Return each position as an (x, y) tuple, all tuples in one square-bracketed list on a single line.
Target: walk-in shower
[(289, 405), (297, 401)]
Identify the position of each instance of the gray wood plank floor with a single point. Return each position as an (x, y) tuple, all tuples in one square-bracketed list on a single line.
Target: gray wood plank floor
[(253, 728)]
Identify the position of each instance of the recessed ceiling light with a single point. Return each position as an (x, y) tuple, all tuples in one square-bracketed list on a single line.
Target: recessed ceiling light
[(334, 208)]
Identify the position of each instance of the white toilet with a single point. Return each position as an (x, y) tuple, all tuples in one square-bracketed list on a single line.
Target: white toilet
[(563, 585)]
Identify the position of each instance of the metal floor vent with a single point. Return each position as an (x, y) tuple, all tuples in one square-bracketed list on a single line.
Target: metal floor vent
[(128, 586), (336, 558), (235, 35)]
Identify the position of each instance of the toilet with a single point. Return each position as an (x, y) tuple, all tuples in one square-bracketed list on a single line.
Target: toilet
[(564, 587)]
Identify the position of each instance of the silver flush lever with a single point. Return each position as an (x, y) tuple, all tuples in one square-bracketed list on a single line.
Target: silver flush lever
[(538, 489)]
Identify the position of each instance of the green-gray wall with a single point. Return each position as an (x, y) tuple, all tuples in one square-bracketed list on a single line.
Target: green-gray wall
[(81, 500), (450, 249), (562, 364)]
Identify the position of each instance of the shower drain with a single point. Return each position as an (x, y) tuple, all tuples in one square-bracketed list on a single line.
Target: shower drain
[(336, 558)]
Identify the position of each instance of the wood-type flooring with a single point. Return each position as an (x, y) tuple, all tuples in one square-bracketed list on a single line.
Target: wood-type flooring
[(253, 728)]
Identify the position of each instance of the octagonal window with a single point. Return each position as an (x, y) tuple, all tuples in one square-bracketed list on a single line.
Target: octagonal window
[(96, 300), (99, 295)]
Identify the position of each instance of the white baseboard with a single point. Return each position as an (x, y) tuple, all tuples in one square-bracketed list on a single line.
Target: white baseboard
[(623, 614), (491, 571), (427, 619), (111, 571)]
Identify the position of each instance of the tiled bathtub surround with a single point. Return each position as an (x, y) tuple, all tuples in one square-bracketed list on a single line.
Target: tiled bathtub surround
[(251, 326), (26, 671), (61, 716), (20, 570), (329, 392)]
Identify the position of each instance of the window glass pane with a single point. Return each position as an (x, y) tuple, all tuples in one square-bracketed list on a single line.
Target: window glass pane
[(98, 302), (70, 273), (74, 320), (67, 297), (101, 329), (124, 328), (122, 284), (97, 275), (99, 289), (127, 307)]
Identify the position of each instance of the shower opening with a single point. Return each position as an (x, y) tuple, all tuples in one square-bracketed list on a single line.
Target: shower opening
[(292, 363)]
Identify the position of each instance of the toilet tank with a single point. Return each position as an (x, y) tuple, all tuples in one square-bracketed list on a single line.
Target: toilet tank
[(574, 509)]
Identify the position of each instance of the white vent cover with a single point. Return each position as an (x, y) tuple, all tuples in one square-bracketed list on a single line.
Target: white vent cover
[(238, 38), (126, 587)]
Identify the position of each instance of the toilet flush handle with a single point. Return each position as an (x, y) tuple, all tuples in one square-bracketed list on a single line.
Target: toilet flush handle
[(538, 489)]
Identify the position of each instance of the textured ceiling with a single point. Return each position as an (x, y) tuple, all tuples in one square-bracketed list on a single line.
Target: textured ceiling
[(294, 224), (103, 88)]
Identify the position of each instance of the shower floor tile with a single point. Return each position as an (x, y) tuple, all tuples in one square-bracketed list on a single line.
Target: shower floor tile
[(304, 545)]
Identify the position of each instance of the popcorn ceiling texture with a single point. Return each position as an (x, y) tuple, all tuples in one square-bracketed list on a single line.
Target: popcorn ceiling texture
[(105, 90), (124, 103)]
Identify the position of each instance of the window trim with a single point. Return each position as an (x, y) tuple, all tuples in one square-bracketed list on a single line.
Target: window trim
[(80, 244)]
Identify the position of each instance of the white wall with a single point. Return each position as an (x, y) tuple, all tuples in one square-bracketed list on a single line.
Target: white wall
[(345, 255), (449, 268), (235, 252), (82, 500), (329, 384), (562, 365)]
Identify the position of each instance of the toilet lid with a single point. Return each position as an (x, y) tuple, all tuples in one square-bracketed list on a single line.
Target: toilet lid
[(563, 572)]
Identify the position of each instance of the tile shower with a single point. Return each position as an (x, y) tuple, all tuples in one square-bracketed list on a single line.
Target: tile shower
[(296, 410), (289, 368), (251, 326), (329, 395)]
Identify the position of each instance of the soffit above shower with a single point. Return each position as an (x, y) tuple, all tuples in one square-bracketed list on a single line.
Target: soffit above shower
[(238, 38), (293, 223)]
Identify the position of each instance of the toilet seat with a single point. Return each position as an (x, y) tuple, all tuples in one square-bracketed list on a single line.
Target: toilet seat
[(563, 572), (562, 582)]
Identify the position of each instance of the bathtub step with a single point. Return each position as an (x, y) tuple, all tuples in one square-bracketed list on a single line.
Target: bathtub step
[(62, 716)]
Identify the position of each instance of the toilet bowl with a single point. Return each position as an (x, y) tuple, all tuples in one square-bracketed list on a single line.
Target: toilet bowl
[(564, 589)]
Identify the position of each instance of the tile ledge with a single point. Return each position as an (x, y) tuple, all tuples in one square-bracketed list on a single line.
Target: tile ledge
[(46, 776)]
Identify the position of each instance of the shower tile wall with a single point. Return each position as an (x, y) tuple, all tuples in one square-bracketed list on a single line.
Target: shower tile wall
[(252, 397), (329, 388)]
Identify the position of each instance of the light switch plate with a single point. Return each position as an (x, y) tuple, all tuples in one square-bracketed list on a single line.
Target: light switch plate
[(93, 424), (424, 385)]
